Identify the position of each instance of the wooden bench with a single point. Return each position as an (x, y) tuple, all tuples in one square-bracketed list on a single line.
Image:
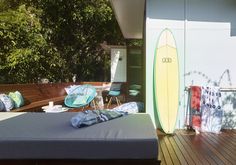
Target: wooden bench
[(37, 95)]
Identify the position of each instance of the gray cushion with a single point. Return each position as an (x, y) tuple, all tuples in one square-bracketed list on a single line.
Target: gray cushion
[(50, 136)]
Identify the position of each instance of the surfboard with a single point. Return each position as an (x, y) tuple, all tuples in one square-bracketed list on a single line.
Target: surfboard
[(166, 81)]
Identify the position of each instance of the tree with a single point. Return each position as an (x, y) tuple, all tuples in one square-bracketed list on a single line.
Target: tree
[(56, 39), (24, 53), (77, 28)]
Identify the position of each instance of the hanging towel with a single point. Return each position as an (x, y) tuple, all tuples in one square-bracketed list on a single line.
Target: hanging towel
[(195, 97), (211, 109), (195, 100)]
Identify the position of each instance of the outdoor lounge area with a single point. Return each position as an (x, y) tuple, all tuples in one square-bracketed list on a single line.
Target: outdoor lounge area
[(116, 82), (182, 147)]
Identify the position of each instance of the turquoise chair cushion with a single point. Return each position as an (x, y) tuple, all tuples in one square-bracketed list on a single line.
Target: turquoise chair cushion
[(114, 93), (80, 100), (81, 96)]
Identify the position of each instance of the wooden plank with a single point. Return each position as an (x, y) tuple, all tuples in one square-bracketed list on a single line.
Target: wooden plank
[(216, 146), (230, 134), (160, 155), (220, 159), (171, 151), (225, 143), (226, 139), (165, 152), (189, 148), (184, 151), (196, 144), (177, 151), (200, 149), (205, 148)]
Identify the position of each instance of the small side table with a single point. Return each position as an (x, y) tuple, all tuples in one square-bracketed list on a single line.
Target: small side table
[(99, 99)]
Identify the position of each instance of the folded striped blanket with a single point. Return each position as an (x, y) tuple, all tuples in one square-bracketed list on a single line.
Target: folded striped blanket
[(90, 117)]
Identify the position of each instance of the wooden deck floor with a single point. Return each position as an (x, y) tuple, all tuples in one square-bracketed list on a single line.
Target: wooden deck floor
[(185, 147)]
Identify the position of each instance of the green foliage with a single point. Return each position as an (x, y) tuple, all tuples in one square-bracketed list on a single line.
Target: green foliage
[(135, 42), (77, 28), (24, 51), (55, 39)]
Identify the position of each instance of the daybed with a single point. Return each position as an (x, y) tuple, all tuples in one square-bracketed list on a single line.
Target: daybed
[(50, 136)]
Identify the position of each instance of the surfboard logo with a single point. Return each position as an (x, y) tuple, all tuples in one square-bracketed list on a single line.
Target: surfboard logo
[(166, 60)]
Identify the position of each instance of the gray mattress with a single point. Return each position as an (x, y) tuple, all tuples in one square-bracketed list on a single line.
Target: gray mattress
[(50, 136)]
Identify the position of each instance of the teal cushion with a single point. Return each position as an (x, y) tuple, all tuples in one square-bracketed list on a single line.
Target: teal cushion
[(133, 92), (17, 98), (81, 100), (114, 93)]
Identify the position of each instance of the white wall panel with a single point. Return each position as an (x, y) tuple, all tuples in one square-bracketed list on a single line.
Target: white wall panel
[(205, 33)]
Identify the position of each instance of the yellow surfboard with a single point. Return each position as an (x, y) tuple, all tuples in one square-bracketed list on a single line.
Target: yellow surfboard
[(166, 81)]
